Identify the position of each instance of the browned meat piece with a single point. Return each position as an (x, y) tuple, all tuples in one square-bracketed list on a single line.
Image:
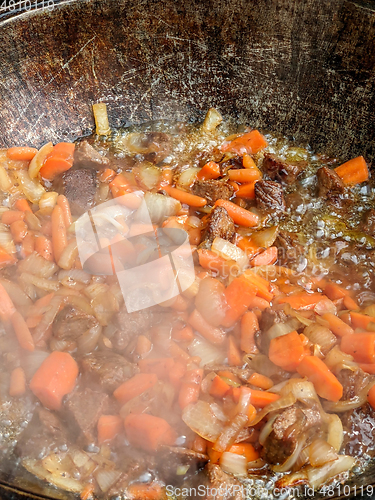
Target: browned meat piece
[(222, 486), (84, 408), (289, 248), (85, 156), (219, 225), (271, 316), (368, 223), (154, 146), (108, 369), (282, 170), (52, 424), (269, 196), (232, 163), (213, 190), (359, 432), (132, 324), (353, 382), (79, 186), (72, 323), (286, 430), (329, 183)]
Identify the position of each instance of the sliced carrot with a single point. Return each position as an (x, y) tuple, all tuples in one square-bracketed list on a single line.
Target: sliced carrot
[(17, 386), (144, 491), (248, 246), (166, 178), (109, 426), (350, 303), (184, 334), (245, 449), (266, 258), (246, 191), (22, 332), (234, 355), (88, 492), (177, 373), (59, 236), (335, 291), (248, 162), (210, 333), (244, 175), (368, 367), (359, 345), (371, 397), (6, 259), (236, 394), (106, 175), (55, 378), (260, 399), (261, 381), (360, 320), (144, 345), (249, 327), (135, 386), (28, 245), (58, 161), (184, 197), (287, 351), (119, 186), (326, 384), (43, 246), (210, 260), (190, 388), (213, 455), (238, 294), (302, 301), (251, 143), (209, 171), (259, 303), (148, 432), (63, 203), (18, 230), (240, 216), (262, 285), (21, 153), (219, 388), (158, 366), (11, 216), (23, 205), (337, 325), (353, 171), (178, 353)]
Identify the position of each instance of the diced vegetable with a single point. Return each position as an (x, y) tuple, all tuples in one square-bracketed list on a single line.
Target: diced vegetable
[(101, 118), (135, 386), (360, 345), (287, 351), (240, 216), (325, 383), (354, 171), (148, 432), (251, 143)]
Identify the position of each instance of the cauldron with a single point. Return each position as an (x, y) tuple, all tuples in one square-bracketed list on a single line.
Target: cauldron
[(304, 68)]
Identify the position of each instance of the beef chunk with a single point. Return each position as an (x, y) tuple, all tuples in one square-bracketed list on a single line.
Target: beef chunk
[(329, 183), (286, 429), (282, 170), (85, 156), (359, 432), (271, 316), (79, 186), (219, 225), (132, 324), (222, 486), (269, 196), (72, 323), (353, 382), (84, 408), (108, 369), (156, 146), (368, 223), (289, 247), (52, 424), (213, 190)]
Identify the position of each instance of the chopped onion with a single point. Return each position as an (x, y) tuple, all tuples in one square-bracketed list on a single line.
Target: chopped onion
[(101, 118), (212, 120), (267, 429), (194, 222), (5, 182), (262, 364), (104, 306), (210, 301), (300, 317), (229, 251), (370, 310), (302, 390), (193, 289), (107, 478), (350, 404), (37, 162), (38, 265), (320, 452), (74, 275), (88, 341), (95, 289), (157, 207), (231, 431), (319, 475), (256, 464), (187, 178), (31, 188), (201, 419), (208, 353), (325, 306), (321, 336), (77, 301), (6, 239), (32, 361), (335, 433), (233, 463), (18, 296), (147, 175), (266, 237), (32, 221), (42, 283), (303, 458), (69, 255), (48, 200), (336, 360), (280, 329), (48, 318), (59, 480)]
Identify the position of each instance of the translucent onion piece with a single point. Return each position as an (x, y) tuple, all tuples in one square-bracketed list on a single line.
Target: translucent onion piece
[(267, 429), (95, 289), (303, 458), (233, 463), (157, 207), (212, 120), (69, 255), (266, 237), (256, 464), (37, 162), (209, 353), (280, 329), (31, 188), (5, 181), (48, 200), (101, 118), (36, 264), (229, 251), (230, 432), (88, 341), (200, 418), (6, 240), (301, 389), (60, 481), (336, 360), (74, 275), (320, 452), (47, 319), (321, 336), (319, 475), (147, 175), (104, 306), (18, 296), (107, 478), (32, 361), (187, 178), (335, 434)]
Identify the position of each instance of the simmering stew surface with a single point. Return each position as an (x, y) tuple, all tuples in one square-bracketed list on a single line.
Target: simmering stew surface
[(125, 375)]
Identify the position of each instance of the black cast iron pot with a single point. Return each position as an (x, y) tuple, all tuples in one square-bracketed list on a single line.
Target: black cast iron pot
[(304, 68)]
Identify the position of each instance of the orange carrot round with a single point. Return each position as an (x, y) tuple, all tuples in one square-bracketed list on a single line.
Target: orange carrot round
[(135, 386), (18, 230), (337, 325), (326, 384), (63, 203), (109, 426), (354, 171), (240, 216), (244, 175), (287, 351), (11, 216), (23, 205), (211, 333), (359, 345), (55, 378), (43, 246), (210, 170), (21, 153), (17, 386), (266, 258), (184, 197), (148, 432)]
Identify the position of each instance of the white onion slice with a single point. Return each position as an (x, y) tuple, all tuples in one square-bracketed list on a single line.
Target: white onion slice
[(233, 463), (229, 251), (319, 475), (201, 419), (320, 452)]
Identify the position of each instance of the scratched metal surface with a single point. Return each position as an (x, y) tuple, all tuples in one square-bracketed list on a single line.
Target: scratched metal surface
[(305, 68)]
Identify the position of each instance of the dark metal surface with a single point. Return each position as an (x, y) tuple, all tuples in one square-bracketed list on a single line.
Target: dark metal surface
[(304, 68)]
